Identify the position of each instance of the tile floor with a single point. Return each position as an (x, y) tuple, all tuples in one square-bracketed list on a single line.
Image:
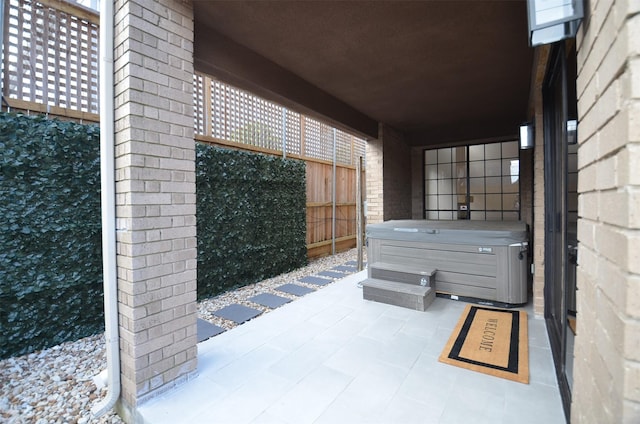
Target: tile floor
[(332, 357)]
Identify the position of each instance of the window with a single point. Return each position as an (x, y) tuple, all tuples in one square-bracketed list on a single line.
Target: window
[(478, 182)]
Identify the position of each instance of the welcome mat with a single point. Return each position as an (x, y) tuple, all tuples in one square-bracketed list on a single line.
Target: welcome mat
[(490, 341)]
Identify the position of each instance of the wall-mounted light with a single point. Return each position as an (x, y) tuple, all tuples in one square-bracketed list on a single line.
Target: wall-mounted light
[(527, 140), (553, 20), (572, 131)]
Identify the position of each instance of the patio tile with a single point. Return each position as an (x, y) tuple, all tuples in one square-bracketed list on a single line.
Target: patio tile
[(206, 330), (331, 357), (410, 411), (312, 279), (469, 404), (301, 362), (248, 401), (533, 403), (270, 300), (306, 401), (237, 313), (244, 373), (358, 403), (296, 336), (294, 289), (332, 274)]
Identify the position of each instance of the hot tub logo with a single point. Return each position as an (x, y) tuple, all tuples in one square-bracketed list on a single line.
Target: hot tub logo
[(485, 250)]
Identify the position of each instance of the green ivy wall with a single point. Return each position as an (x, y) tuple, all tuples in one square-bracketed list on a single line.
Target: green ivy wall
[(50, 237), (252, 209), (250, 222)]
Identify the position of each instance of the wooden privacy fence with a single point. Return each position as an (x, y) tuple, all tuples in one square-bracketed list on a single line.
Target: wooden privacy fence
[(227, 116), (50, 66)]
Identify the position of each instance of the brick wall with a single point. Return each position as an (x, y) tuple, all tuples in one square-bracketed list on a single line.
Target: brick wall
[(155, 195), (388, 174), (397, 172), (374, 176), (607, 350), (538, 215), (417, 182)]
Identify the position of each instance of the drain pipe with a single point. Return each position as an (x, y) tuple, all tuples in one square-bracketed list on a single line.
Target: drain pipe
[(333, 198), (1, 43), (108, 195)]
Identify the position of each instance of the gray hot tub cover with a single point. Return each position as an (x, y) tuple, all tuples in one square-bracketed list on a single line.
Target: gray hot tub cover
[(485, 233)]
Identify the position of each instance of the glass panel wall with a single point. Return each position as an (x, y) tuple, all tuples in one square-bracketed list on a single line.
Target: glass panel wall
[(478, 182)]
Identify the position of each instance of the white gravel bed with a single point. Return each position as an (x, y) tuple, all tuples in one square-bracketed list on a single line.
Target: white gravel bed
[(56, 385)]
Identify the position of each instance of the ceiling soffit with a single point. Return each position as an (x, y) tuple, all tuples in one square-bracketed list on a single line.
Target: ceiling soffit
[(434, 70)]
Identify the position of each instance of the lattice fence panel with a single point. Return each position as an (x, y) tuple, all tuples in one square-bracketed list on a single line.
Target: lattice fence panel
[(50, 56), (312, 138), (318, 139), (199, 105), (217, 117), (235, 115), (343, 147), (268, 124), (359, 148), (293, 140)]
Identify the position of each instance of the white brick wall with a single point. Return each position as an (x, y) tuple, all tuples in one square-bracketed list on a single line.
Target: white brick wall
[(607, 363), (155, 161)]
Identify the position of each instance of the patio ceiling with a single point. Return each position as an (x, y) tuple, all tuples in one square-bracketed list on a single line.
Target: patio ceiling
[(440, 71)]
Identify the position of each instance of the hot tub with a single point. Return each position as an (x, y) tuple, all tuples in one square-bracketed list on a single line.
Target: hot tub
[(476, 259)]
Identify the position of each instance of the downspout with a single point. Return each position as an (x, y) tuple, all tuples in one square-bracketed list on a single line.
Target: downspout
[(333, 198), (1, 49), (108, 195)]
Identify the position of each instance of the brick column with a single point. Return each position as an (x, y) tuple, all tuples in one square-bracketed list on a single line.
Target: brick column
[(397, 174), (155, 195), (389, 176), (417, 182), (538, 231), (375, 177)]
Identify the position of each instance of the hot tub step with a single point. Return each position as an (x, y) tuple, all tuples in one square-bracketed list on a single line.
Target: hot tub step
[(410, 274), (400, 294)]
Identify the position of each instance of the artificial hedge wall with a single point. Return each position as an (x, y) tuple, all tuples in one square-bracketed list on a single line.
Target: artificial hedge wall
[(251, 217), (50, 237), (250, 223)]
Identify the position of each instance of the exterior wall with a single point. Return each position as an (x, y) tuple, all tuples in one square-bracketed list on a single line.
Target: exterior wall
[(533, 203), (526, 205), (607, 349), (417, 183), (397, 172), (538, 200), (374, 176), (155, 195), (388, 173)]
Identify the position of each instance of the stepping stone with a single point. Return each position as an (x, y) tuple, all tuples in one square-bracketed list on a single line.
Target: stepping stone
[(332, 274), (237, 313), (311, 279), (269, 300), (345, 268), (206, 330), (295, 289), (355, 263)]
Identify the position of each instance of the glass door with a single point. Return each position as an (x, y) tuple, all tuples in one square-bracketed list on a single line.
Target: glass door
[(560, 216), (477, 182)]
